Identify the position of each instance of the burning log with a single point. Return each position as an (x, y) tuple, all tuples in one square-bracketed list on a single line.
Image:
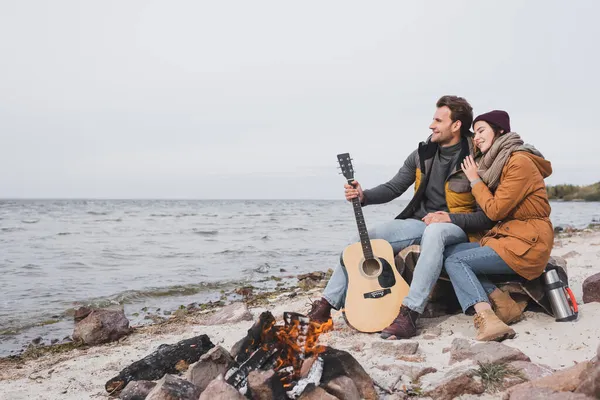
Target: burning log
[(165, 360), (284, 349), (258, 333)]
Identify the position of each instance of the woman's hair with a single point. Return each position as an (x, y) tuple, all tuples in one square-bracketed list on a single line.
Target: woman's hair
[(497, 130)]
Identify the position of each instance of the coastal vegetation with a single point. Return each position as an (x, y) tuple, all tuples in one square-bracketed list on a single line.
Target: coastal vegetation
[(574, 192)]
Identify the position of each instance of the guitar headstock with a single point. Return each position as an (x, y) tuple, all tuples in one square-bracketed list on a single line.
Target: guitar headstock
[(346, 166)]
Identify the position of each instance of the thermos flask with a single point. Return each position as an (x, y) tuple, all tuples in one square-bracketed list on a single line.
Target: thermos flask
[(557, 294)]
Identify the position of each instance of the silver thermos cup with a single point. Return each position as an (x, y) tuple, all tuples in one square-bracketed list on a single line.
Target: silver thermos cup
[(557, 294)]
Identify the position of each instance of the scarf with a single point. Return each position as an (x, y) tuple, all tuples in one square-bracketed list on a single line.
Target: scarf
[(493, 161)]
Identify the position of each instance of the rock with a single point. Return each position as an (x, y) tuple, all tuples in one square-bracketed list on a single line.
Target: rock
[(218, 389), (566, 380), (397, 396), (432, 333), (137, 390), (316, 393), (533, 393), (232, 313), (210, 365), (591, 289), (422, 372), (102, 326), (397, 348), (265, 385), (343, 388), (171, 387), (81, 313), (488, 352), (591, 383), (340, 362), (457, 382), (531, 371), (571, 254)]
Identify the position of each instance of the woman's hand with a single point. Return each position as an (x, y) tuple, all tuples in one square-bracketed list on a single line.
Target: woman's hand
[(469, 167)]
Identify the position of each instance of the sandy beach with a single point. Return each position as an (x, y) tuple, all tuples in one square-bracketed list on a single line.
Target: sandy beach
[(82, 373)]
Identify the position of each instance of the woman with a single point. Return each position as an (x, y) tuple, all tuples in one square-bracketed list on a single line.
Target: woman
[(508, 185)]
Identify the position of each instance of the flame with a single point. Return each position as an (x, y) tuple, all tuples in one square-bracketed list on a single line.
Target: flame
[(298, 342)]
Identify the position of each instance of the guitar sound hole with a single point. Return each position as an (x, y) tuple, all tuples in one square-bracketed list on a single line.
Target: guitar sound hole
[(370, 267)]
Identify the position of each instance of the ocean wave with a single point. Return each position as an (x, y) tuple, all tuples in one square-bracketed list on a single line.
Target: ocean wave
[(30, 221), (98, 212), (205, 233), (109, 220), (130, 296), (296, 230), (177, 255), (183, 215), (13, 229)]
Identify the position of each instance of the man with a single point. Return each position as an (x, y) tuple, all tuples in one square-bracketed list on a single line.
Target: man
[(442, 212)]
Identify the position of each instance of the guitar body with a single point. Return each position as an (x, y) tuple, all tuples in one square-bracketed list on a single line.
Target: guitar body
[(375, 288)]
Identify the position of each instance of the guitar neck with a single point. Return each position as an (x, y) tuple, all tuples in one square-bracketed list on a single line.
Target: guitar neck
[(362, 229)]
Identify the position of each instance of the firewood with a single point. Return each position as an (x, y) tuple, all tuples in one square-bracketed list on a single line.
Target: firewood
[(162, 361)]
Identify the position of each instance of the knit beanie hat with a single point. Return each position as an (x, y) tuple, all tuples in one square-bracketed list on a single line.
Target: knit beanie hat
[(496, 117)]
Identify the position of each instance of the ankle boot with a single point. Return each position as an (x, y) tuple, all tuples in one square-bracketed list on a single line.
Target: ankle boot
[(489, 327), (404, 326), (508, 310), (320, 311)]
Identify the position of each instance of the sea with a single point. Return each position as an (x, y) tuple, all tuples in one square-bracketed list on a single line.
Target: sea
[(154, 256)]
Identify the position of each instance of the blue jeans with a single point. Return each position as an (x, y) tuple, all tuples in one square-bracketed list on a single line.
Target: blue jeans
[(467, 265), (401, 234)]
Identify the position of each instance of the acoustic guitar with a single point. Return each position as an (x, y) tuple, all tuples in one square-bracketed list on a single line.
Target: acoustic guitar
[(375, 288)]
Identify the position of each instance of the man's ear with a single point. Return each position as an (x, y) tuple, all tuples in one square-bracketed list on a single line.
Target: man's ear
[(457, 124)]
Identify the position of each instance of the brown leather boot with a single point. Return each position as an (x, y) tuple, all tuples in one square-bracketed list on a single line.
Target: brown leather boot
[(508, 310), (320, 311), (404, 325), (489, 327)]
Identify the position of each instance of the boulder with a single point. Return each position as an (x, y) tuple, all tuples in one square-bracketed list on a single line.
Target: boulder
[(488, 352), (591, 383), (232, 313), (210, 365), (218, 389), (534, 393), (316, 393), (565, 380), (591, 289), (171, 387), (396, 348), (342, 388), (457, 382), (137, 390), (101, 326)]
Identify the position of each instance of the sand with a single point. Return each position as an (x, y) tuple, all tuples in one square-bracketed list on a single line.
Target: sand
[(81, 373)]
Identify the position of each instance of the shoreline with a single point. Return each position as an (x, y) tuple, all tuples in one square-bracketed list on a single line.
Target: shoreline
[(81, 371)]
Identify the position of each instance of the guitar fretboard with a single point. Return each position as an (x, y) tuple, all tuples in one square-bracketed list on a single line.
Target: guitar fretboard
[(362, 229)]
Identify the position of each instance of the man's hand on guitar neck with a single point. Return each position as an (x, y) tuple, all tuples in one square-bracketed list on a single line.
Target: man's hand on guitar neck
[(353, 191), (436, 217)]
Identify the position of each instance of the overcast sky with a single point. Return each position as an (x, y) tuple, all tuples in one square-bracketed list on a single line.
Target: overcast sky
[(254, 99)]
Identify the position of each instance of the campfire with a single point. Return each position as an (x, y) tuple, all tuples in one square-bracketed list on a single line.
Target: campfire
[(273, 361), (291, 350)]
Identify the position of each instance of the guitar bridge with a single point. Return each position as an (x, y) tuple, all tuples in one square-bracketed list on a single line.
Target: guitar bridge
[(376, 294)]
